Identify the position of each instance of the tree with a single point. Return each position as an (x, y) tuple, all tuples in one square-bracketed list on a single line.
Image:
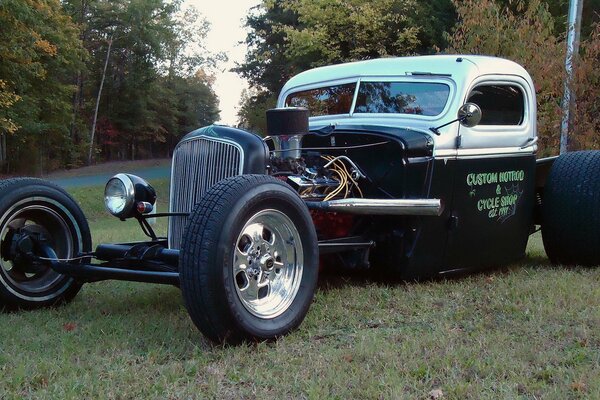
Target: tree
[(39, 50), (155, 48), (287, 37), (266, 66), (7, 99), (587, 88), (185, 52), (525, 32), (559, 10), (334, 31), (137, 67), (252, 108)]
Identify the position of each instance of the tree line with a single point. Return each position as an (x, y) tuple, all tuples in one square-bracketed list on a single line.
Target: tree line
[(289, 36), (89, 80)]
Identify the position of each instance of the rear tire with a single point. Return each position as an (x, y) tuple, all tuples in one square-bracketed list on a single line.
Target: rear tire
[(249, 260), (571, 210), (43, 206)]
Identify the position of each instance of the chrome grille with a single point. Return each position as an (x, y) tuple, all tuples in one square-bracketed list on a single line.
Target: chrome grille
[(198, 164)]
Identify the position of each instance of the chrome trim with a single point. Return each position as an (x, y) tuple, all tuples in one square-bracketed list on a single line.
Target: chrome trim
[(419, 159), (268, 263), (129, 188), (546, 159), (198, 164), (485, 153), (445, 153), (493, 151), (530, 142), (423, 207)]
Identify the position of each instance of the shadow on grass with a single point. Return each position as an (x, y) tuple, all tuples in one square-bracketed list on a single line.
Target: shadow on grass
[(336, 277), (123, 297), (136, 315)]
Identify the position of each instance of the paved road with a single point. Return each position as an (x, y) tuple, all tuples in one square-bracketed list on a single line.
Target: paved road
[(148, 173)]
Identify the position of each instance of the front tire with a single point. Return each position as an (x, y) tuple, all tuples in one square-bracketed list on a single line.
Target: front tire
[(571, 209), (249, 260), (40, 206)]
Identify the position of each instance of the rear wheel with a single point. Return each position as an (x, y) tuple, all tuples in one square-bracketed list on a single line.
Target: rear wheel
[(249, 260), (571, 209), (31, 206)]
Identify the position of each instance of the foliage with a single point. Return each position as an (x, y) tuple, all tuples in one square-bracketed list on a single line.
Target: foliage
[(39, 49), (7, 99), (290, 36), (52, 57), (334, 31), (587, 81), (527, 36), (266, 66), (185, 51), (156, 51), (560, 10), (252, 108), (191, 101)]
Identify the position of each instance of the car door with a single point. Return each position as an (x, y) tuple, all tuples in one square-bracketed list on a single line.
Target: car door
[(494, 182)]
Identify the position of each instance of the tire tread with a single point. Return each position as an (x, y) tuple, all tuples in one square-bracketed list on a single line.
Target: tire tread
[(571, 209)]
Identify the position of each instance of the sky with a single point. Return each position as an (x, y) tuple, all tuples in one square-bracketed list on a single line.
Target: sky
[(226, 18)]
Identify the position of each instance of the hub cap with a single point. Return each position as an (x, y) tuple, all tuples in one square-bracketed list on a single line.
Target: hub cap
[(268, 264), (54, 225)]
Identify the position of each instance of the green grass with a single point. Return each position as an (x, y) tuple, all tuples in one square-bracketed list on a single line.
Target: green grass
[(529, 331)]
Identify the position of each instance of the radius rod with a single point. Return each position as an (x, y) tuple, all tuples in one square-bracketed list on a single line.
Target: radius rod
[(94, 272)]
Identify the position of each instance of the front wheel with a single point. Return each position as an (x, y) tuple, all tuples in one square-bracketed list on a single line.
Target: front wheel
[(249, 260), (30, 206)]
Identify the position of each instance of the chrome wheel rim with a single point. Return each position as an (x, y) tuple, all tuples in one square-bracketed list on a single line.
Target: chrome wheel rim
[(267, 264), (61, 241)]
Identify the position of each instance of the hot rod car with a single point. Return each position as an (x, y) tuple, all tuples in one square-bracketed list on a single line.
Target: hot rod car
[(416, 166)]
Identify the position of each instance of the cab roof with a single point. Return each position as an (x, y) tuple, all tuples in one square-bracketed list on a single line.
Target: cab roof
[(460, 67)]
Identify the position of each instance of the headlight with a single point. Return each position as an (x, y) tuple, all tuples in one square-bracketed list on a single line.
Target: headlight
[(119, 195), (124, 191)]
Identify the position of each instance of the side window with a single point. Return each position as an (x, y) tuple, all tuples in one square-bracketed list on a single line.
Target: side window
[(500, 104), (330, 100)]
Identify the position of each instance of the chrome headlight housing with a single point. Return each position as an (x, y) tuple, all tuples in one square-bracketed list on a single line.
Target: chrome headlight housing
[(124, 191)]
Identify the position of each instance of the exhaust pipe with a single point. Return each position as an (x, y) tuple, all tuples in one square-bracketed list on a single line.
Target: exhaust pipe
[(421, 207)]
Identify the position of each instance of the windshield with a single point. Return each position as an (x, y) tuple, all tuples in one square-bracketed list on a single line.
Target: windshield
[(419, 98), (329, 100)]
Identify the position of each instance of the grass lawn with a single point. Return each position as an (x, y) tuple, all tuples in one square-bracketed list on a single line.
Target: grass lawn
[(531, 331)]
